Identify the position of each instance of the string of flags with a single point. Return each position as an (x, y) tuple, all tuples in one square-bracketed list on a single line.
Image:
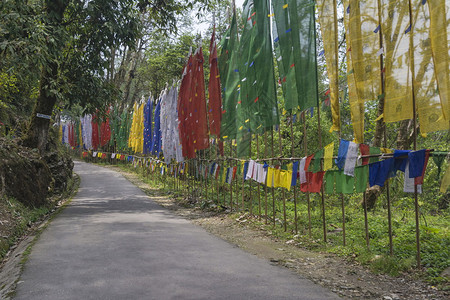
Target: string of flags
[(356, 167)]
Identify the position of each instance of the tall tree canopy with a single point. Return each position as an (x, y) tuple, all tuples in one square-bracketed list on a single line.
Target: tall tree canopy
[(68, 46)]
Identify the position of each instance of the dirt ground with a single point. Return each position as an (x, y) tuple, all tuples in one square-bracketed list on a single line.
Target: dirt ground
[(346, 278)]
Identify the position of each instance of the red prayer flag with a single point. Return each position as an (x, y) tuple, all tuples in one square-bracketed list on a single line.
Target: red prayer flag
[(183, 107), (95, 140), (308, 162), (313, 182), (199, 121), (419, 180), (365, 150), (215, 97), (105, 132)]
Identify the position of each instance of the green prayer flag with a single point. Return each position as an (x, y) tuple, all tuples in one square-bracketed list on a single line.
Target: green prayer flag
[(229, 75), (250, 102), (315, 165), (361, 178), (374, 150), (344, 183), (329, 181), (77, 133), (296, 39), (438, 158)]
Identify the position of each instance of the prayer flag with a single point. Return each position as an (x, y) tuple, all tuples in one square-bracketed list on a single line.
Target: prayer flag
[(350, 159), (327, 10), (342, 153), (361, 177), (445, 180), (215, 97), (409, 183), (329, 181), (295, 28), (314, 182), (328, 157)]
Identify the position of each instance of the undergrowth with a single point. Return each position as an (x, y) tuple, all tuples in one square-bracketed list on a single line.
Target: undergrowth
[(24, 217)]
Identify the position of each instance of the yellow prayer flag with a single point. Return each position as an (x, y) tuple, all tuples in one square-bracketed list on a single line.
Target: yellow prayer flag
[(386, 150), (328, 156), (440, 38), (270, 180), (428, 101), (285, 179), (356, 105), (364, 44), (328, 24), (276, 178), (395, 21), (445, 180)]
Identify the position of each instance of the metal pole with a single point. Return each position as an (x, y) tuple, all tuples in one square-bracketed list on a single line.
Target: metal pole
[(259, 193), (273, 189), (294, 187), (265, 186), (250, 182), (231, 170), (205, 173), (388, 194), (365, 222), (217, 180), (320, 140), (282, 190), (343, 219), (305, 146), (416, 200), (236, 182)]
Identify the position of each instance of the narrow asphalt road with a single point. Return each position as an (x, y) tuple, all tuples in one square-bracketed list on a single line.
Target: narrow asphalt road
[(114, 242)]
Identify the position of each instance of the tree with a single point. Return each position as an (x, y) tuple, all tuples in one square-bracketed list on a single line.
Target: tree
[(74, 42)]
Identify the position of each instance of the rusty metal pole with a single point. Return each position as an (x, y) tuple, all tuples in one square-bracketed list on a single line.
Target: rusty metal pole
[(388, 194), (305, 146), (250, 182), (273, 189), (416, 198), (236, 183), (294, 187), (282, 189), (231, 170), (265, 186), (259, 192)]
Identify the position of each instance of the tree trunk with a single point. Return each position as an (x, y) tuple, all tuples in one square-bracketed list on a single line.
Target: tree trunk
[(404, 136), (37, 132)]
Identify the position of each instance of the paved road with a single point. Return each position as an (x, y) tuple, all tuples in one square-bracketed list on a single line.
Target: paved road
[(114, 242)]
